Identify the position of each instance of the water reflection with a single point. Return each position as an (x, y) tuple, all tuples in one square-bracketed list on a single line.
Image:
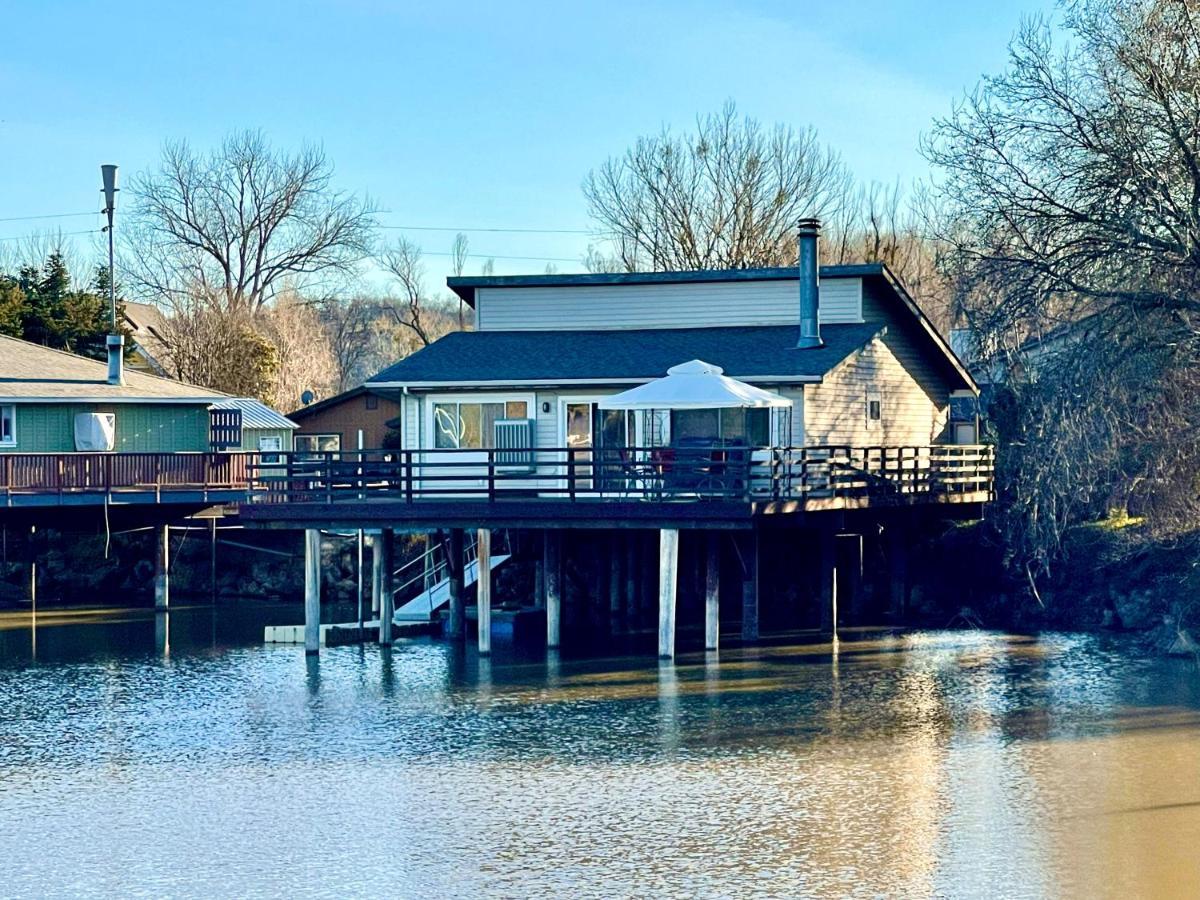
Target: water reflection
[(923, 765)]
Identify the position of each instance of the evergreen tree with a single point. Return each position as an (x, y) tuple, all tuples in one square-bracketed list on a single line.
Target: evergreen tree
[(53, 314)]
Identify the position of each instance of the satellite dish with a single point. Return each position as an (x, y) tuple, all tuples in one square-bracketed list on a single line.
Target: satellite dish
[(307, 397)]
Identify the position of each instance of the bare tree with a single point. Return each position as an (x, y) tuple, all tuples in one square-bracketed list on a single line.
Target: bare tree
[(1069, 192), (236, 224), (306, 358), (217, 349), (726, 196), (458, 262), (420, 314), (357, 333)]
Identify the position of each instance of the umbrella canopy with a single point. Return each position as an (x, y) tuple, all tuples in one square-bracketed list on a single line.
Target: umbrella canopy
[(695, 385)]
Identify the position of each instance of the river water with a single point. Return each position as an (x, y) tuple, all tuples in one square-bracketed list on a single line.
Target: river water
[(956, 764)]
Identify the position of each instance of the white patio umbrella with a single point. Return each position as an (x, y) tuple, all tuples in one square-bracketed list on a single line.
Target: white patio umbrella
[(695, 385)]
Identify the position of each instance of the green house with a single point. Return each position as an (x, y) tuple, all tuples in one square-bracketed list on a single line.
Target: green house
[(56, 402)]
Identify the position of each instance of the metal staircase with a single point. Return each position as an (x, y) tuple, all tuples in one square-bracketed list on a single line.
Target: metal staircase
[(423, 584)]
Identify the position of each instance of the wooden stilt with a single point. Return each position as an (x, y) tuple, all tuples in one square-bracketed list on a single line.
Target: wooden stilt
[(454, 570), (827, 582), (615, 559), (631, 582), (312, 590), (668, 580), (712, 591), (162, 568), (553, 589), (539, 575), (750, 588), (485, 591), (212, 560), (897, 553), (852, 602), (385, 550), (375, 542)]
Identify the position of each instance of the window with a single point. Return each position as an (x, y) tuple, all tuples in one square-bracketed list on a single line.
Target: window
[(751, 427), (371, 401), (472, 426), (317, 443), (874, 409), (269, 446), (8, 425)]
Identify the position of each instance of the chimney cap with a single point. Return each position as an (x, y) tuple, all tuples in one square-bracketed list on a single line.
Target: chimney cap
[(809, 226)]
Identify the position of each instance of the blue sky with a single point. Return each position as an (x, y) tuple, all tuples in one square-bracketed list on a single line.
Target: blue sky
[(467, 114)]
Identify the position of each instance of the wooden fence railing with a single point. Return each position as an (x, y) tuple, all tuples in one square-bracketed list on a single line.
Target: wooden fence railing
[(879, 474), (100, 473)]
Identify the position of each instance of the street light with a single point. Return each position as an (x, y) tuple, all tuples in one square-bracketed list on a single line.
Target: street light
[(115, 341)]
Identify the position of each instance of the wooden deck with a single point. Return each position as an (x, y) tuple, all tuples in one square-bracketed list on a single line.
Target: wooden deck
[(727, 487), (31, 480)]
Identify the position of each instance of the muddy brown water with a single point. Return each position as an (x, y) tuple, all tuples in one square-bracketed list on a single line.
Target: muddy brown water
[(955, 764)]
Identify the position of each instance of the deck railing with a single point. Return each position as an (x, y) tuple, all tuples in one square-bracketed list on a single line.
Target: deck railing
[(879, 475), (76, 474)]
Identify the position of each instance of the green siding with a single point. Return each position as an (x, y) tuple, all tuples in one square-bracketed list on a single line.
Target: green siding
[(250, 437), (146, 428)]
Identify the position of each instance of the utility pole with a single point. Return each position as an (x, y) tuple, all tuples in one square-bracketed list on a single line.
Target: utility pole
[(116, 341)]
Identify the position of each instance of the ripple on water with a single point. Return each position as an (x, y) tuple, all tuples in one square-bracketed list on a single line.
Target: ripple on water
[(931, 764)]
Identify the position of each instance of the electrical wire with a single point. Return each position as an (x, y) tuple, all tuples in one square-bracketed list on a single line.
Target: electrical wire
[(48, 234)]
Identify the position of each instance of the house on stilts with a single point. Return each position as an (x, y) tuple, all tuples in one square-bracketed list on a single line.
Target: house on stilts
[(758, 424)]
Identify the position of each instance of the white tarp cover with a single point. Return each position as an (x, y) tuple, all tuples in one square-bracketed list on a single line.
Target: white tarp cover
[(695, 385), (95, 431)]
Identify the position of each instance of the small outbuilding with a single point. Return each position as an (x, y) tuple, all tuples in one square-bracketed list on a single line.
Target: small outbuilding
[(264, 430)]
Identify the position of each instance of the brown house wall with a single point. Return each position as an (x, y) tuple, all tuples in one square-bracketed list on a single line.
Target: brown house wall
[(346, 417)]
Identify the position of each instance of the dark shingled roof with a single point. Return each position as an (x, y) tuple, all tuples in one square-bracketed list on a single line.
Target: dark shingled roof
[(517, 356)]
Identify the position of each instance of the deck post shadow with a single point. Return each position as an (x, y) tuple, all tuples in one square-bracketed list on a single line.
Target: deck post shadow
[(827, 596), (750, 587)]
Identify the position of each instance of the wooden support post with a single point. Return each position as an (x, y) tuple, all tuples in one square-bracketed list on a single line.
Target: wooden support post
[(852, 602), (553, 577), (457, 626), (485, 591), (212, 560), (312, 590), (615, 611), (897, 554), (827, 581), (750, 588), (632, 622), (162, 568), (385, 546), (668, 579), (539, 576), (712, 591), (377, 569)]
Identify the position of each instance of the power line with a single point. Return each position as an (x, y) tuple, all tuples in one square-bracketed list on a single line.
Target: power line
[(50, 216), (499, 256), (489, 230), (49, 234)]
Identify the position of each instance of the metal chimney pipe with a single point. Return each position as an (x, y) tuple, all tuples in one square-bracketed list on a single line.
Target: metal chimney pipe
[(808, 238)]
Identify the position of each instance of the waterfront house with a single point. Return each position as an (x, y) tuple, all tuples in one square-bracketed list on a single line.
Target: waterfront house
[(872, 372), (56, 402), (334, 423), (149, 349)]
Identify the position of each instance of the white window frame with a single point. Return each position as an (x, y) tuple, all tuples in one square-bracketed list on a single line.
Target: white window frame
[(270, 454), (432, 400), (874, 395), (11, 409)]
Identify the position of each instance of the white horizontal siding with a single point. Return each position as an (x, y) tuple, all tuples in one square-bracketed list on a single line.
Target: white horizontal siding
[(702, 305)]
